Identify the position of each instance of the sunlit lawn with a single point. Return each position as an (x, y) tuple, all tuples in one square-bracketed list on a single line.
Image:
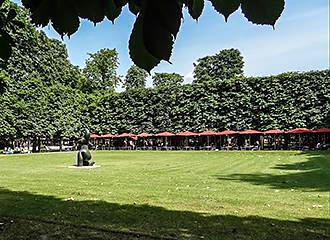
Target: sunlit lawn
[(140, 195)]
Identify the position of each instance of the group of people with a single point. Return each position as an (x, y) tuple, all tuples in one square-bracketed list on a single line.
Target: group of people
[(9, 150)]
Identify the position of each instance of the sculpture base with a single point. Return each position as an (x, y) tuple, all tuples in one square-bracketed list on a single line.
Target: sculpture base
[(84, 167)]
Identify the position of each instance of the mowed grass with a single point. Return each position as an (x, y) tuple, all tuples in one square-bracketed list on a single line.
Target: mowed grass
[(177, 195)]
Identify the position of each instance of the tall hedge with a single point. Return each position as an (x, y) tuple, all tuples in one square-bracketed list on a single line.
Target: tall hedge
[(284, 101)]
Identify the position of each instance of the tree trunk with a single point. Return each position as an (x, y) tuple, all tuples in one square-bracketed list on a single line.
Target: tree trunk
[(34, 145), (39, 144), (61, 144)]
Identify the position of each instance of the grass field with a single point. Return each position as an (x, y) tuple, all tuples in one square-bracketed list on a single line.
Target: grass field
[(174, 195)]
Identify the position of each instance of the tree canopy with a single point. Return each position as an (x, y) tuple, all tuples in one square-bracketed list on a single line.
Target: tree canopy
[(135, 78), (157, 23), (40, 94), (101, 69), (226, 64)]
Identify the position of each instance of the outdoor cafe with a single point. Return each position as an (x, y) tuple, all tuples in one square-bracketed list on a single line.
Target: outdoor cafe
[(296, 139)]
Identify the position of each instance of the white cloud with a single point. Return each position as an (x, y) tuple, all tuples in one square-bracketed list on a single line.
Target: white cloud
[(189, 77)]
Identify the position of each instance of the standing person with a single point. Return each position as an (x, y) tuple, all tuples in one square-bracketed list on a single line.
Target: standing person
[(131, 143)]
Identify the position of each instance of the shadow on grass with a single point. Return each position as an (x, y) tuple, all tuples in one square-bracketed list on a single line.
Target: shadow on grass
[(310, 175), (47, 217)]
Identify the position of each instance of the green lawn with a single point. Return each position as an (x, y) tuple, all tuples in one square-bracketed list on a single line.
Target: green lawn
[(176, 195)]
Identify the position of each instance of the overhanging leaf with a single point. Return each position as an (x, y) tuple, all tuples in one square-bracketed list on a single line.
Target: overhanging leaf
[(195, 8), (120, 3), (169, 14), (1, 2), (32, 5), (11, 15), (42, 13), (157, 39), (65, 19), (6, 36), (92, 10), (112, 11), (226, 7), (160, 29), (5, 49), (139, 54), (262, 12), (133, 7)]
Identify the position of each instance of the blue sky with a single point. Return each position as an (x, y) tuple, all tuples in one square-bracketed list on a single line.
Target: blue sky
[(300, 41)]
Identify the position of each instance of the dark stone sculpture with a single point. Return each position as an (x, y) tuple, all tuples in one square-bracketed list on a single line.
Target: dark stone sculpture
[(84, 155)]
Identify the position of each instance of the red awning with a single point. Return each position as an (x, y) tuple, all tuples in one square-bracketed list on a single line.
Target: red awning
[(145, 135), (106, 136), (300, 130), (273, 131), (250, 132), (322, 130), (94, 136), (125, 135), (208, 134), (227, 132), (165, 134), (186, 134)]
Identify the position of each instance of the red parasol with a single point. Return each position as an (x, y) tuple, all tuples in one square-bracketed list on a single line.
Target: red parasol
[(322, 130), (227, 132), (250, 132), (145, 135), (208, 134), (186, 134), (106, 136), (165, 134), (93, 135), (273, 131), (300, 130), (125, 135)]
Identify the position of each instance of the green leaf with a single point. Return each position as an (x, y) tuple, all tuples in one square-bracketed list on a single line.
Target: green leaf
[(195, 8), (262, 12), (92, 10), (120, 3), (112, 11), (168, 13), (2, 1), (41, 14), (226, 7), (157, 40), (65, 19), (6, 36), (11, 15), (159, 29), (133, 7), (5, 49), (139, 54)]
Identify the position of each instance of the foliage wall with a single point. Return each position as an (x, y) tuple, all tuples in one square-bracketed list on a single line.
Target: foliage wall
[(284, 101)]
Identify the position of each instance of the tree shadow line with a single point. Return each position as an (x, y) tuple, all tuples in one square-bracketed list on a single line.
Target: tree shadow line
[(152, 221), (310, 175)]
